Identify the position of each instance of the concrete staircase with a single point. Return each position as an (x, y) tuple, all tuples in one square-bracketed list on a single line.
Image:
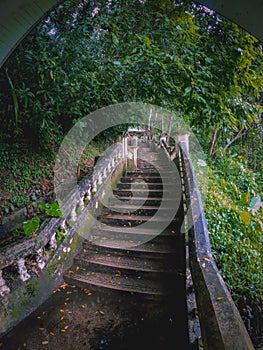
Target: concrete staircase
[(125, 252)]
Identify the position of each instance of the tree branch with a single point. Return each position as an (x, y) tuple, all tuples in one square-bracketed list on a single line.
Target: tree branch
[(212, 148), (240, 133)]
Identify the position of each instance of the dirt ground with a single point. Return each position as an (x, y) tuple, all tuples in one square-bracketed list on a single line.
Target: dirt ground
[(74, 318)]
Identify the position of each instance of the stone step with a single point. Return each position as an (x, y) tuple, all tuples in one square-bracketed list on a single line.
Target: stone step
[(152, 201), (152, 167), (124, 283), (134, 220), (111, 264), (148, 173), (142, 185), (155, 161), (149, 233), (148, 250), (151, 179), (139, 193), (130, 238), (122, 209)]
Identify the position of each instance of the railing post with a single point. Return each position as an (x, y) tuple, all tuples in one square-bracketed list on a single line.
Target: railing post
[(23, 274), (40, 259), (184, 138), (53, 242), (4, 289)]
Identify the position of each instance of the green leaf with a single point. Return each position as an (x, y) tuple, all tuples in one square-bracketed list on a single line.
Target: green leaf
[(54, 210), (147, 40), (31, 226), (188, 90), (245, 216)]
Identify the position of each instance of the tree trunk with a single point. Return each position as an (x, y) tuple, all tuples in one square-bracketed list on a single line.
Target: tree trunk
[(213, 144), (169, 129)]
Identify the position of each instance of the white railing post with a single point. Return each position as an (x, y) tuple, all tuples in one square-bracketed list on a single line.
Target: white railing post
[(94, 188), (53, 242), (23, 274), (40, 259), (89, 193)]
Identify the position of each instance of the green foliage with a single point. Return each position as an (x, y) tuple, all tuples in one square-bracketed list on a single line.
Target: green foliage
[(236, 235), (22, 175), (52, 209), (31, 226), (181, 56), (61, 236)]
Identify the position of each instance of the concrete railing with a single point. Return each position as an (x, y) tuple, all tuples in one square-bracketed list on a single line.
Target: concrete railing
[(44, 248), (221, 324), (90, 190)]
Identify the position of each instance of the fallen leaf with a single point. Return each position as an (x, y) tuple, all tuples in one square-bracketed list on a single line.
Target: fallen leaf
[(41, 329), (51, 333), (219, 298), (45, 342), (83, 306), (61, 310)]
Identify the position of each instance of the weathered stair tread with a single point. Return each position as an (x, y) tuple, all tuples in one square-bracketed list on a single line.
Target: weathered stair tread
[(133, 230), (154, 173), (133, 207), (124, 216), (130, 219), (142, 185), (125, 262), (141, 190), (121, 283), (150, 246), (130, 198)]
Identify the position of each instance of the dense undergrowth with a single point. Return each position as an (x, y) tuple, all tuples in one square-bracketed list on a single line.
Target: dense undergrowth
[(27, 175), (236, 234)]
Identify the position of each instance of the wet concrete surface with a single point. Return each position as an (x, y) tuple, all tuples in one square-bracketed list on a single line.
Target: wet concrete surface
[(75, 318)]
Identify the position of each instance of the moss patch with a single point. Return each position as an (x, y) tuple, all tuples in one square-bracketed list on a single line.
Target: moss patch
[(22, 299)]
